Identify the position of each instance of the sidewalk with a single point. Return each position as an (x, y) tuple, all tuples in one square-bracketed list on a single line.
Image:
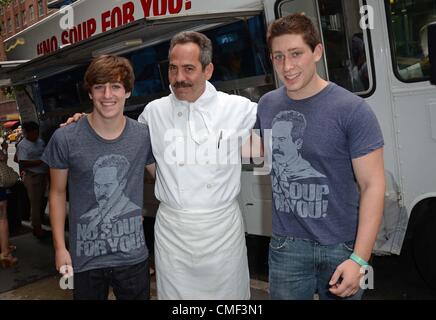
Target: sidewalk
[(48, 289)]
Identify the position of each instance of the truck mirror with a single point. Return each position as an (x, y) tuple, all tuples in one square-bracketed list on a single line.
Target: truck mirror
[(431, 31)]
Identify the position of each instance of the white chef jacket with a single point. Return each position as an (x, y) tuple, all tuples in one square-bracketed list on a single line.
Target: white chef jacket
[(186, 180), (199, 235)]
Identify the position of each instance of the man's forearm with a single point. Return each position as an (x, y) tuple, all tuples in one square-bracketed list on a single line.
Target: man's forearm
[(370, 216), (58, 215)]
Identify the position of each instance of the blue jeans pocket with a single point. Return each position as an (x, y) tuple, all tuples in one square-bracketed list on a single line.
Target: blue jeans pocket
[(277, 242), (348, 245)]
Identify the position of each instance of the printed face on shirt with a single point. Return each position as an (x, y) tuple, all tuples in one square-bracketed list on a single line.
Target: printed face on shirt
[(185, 72), (105, 184), (109, 99), (295, 64), (285, 150)]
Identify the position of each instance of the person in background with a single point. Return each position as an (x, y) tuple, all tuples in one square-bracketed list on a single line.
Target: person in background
[(7, 260), (35, 170)]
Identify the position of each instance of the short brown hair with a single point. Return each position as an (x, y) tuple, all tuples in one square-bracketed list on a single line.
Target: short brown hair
[(199, 39), (296, 23), (109, 68)]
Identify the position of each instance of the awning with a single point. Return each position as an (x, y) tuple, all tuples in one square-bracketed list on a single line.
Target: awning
[(10, 124)]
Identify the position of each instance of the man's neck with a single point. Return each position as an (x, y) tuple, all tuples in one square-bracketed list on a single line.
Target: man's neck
[(316, 85), (108, 129)]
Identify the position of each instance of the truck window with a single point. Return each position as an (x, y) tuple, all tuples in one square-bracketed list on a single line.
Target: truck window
[(63, 93), (407, 24), (347, 51), (240, 57)]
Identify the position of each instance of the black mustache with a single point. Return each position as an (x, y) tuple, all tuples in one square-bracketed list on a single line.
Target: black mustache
[(182, 84), (277, 151)]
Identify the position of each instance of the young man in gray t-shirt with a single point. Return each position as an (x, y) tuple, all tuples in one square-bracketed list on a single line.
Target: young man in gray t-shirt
[(102, 157), (327, 172)]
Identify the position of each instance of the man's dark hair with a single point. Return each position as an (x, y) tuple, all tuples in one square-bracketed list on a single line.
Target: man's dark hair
[(298, 122), (296, 23), (30, 126), (200, 40)]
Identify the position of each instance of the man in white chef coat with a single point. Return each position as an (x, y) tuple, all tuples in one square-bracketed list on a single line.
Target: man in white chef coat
[(196, 135)]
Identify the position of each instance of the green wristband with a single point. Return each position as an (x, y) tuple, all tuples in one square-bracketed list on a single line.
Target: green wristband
[(358, 260)]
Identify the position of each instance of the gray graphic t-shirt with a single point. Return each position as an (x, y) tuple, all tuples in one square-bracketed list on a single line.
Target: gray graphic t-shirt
[(315, 195), (105, 185)]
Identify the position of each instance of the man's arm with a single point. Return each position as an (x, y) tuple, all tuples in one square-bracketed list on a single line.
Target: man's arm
[(369, 172), (74, 118), (151, 169), (57, 202), (253, 148)]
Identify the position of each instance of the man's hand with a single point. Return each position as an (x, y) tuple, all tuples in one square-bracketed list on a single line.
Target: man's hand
[(76, 117), (63, 259), (349, 273)]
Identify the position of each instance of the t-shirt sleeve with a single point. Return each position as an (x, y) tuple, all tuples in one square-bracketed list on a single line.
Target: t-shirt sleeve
[(364, 132), (56, 153), (22, 153), (257, 123), (149, 158)]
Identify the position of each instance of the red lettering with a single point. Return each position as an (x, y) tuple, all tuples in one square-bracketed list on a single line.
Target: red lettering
[(79, 33), (175, 6), (105, 24), (73, 35), (64, 37), (116, 17), (128, 10), (91, 26), (53, 44), (163, 7), (146, 6), (47, 46)]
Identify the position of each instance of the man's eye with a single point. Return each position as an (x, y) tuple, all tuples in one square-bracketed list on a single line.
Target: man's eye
[(296, 54), (279, 57)]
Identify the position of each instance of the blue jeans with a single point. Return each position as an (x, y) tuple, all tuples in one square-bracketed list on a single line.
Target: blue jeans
[(299, 268), (128, 283)]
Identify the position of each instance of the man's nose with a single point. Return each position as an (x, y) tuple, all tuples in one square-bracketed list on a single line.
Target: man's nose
[(107, 91), (180, 76), (289, 63)]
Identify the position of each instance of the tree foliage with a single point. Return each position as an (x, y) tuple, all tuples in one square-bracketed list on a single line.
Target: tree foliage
[(4, 3)]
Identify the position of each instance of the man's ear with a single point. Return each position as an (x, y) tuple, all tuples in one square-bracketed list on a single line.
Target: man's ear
[(90, 95), (128, 94), (209, 71), (123, 184), (318, 51), (299, 143)]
